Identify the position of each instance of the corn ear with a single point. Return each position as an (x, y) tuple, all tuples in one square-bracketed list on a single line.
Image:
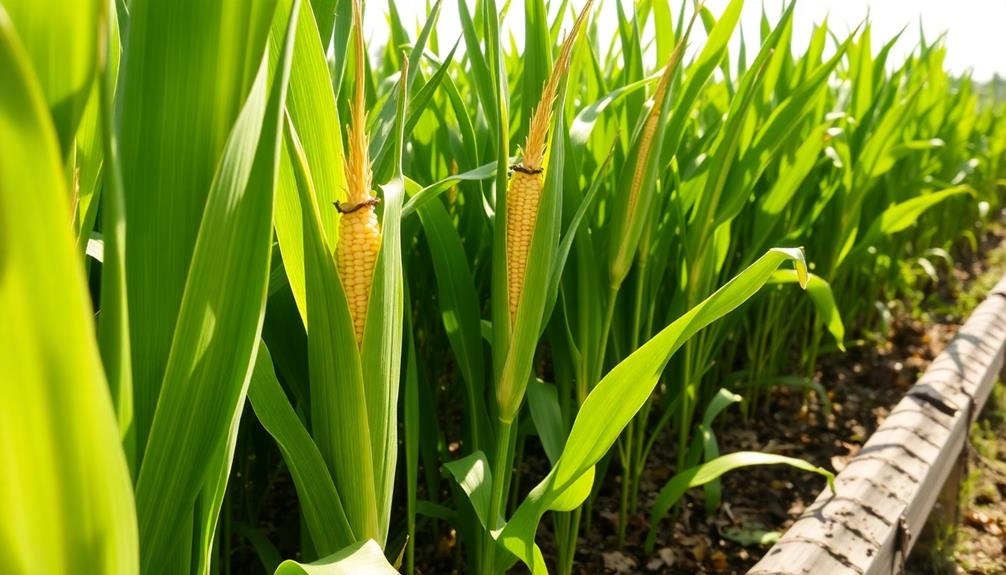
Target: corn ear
[(525, 185), (531, 234), (356, 256), (640, 173), (524, 191), (359, 232)]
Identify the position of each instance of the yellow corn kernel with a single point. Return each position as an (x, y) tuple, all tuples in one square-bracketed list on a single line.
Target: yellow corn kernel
[(356, 256), (359, 230), (523, 195)]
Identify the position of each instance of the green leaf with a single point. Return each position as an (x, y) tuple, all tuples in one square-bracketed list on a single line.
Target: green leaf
[(419, 197), (587, 118), (543, 401), (776, 132), (340, 41), (480, 68), (574, 495), (705, 446), (65, 494), (537, 59), (572, 229), (189, 448), (435, 510), (321, 506), (700, 71), (266, 551), (325, 15), (722, 400), (113, 319), (381, 350), (713, 208), (361, 558), (385, 126), (413, 436), (702, 474), (904, 214), (873, 160), (61, 39), (311, 107), (793, 171), (176, 109), (417, 106), (823, 299), (459, 310), (473, 476), (89, 159)]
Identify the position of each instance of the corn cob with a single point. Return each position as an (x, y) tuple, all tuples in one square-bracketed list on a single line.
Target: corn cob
[(650, 128), (625, 247), (359, 229), (526, 181)]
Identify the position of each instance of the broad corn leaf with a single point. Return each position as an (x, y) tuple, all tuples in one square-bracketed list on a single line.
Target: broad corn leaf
[(364, 558), (324, 513), (65, 494), (61, 41), (217, 334), (176, 108), (712, 470)]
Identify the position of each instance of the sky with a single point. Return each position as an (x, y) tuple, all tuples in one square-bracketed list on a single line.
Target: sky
[(976, 29)]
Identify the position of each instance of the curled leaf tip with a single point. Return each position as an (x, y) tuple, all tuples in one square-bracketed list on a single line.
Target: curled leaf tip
[(801, 273)]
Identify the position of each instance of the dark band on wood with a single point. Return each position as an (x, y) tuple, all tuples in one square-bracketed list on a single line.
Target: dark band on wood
[(359, 206), (525, 170)]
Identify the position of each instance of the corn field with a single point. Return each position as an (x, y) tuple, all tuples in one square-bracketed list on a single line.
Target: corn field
[(244, 245)]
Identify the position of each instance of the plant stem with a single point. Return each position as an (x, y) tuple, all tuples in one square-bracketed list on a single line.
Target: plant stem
[(685, 407), (609, 314), (501, 465), (638, 457), (638, 423), (515, 481), (567, 549), (627, 473)]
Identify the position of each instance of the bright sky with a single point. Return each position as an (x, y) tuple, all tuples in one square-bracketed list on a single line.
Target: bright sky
[(976, 29)]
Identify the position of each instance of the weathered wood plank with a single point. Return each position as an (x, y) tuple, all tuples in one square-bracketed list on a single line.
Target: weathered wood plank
[(885, 493)]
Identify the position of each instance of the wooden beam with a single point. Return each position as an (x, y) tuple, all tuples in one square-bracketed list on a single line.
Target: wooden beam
[(884, 495)]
